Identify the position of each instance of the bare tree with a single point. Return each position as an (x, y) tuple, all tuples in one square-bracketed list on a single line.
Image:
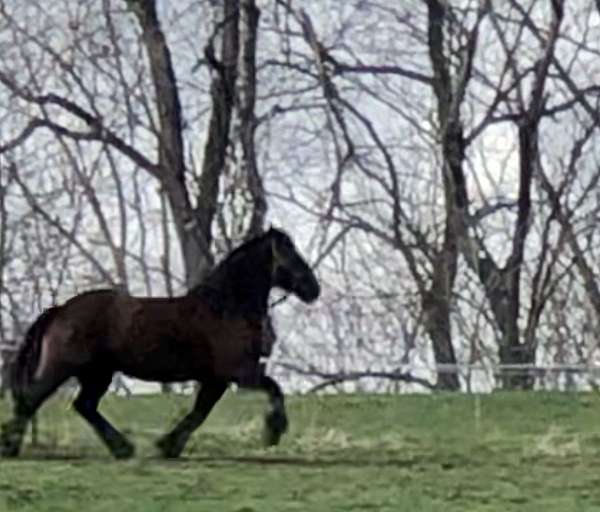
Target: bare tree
[(437, 159)]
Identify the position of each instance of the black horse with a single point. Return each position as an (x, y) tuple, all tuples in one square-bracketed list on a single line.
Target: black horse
[(214, 335)]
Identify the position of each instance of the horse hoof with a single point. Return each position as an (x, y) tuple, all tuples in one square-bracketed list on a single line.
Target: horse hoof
[(168, 448), (9, 448), (124, 451), (276, 424), (9, 451)]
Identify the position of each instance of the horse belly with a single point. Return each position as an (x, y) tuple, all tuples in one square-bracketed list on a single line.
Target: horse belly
[(163, 360), (236, 356)]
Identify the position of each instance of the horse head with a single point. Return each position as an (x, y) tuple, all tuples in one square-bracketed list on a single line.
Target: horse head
[(241, 282), (290, 271)]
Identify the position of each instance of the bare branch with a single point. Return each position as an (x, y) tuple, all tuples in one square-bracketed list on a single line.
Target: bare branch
[(331, 379)]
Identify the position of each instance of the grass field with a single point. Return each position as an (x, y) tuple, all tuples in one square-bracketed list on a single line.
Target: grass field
[(499, 452)]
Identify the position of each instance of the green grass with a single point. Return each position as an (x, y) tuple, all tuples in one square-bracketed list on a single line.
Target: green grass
[(499, 452)]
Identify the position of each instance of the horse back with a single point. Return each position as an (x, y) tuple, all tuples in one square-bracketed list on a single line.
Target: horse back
[(192, 338), (164, 339)]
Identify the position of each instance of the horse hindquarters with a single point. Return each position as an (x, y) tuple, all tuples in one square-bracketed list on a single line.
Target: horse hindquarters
[(36, 375)]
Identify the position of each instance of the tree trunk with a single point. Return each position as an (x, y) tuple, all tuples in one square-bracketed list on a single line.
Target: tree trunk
[(249, 15), (501, 285), (514, 350), (223, 103), (437, 324), (436, 304), (195, 245), (3, 251), (194, 225)]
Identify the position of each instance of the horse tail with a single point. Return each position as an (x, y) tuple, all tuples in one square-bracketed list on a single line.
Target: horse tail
[(28, 356)]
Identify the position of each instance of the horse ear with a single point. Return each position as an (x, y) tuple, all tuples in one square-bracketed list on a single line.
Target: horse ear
[(272, 234)]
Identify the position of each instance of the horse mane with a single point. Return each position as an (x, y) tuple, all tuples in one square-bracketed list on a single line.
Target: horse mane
[(227, 262), (245, 247), (97, 291), (220, 288)]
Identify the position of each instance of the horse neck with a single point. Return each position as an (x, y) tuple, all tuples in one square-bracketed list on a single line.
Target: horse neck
[(244, 282), (250, 281)]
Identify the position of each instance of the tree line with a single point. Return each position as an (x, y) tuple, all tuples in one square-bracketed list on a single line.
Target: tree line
[(435, 158)]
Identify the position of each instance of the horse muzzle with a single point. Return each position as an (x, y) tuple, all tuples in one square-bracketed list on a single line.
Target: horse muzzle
[(308, 291)]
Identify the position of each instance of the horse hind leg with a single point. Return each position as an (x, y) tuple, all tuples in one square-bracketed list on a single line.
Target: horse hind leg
[(27, 399), (93, 387)]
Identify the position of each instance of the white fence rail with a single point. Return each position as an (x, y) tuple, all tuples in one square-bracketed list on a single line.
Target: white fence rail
[(475, 377)]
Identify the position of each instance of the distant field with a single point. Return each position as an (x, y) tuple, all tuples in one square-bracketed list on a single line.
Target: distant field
[(499, 452)]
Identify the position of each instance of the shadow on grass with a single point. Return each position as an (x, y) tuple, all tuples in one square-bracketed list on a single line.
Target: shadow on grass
[(58, 457), (217, 460), (296, 461)]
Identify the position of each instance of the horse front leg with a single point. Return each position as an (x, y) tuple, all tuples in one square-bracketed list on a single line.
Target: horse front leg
[(172, 444), (276, 422)]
